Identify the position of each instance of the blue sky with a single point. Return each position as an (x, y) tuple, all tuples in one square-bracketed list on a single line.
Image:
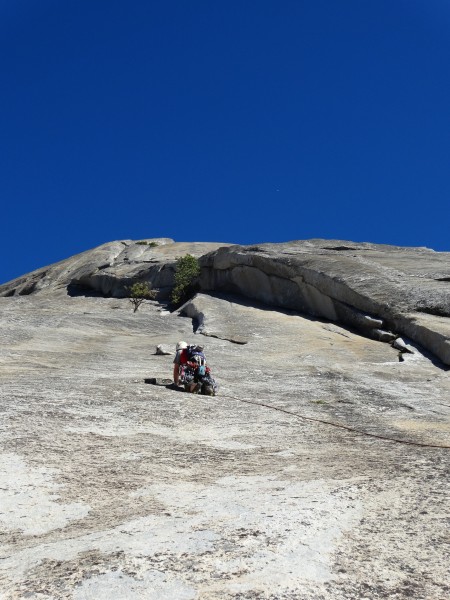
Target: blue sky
[(230, 121)]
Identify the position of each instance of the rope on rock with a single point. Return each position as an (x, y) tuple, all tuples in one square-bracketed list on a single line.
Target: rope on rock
[(338, 425)]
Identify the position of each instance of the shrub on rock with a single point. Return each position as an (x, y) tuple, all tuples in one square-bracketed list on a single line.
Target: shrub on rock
[(186, 272), (139, 292)]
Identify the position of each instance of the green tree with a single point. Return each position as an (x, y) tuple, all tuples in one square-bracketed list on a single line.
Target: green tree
[(139, 292), (187, 271)]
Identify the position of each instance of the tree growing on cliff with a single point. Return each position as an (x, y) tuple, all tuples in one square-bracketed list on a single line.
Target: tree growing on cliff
[(139, 292), (187, 271)]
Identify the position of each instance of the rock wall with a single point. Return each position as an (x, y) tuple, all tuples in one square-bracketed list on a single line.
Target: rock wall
[(362, 286), (109, 269), (320, 470), (380, 291)]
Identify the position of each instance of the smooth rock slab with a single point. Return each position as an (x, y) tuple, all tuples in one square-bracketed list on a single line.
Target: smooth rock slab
[(29, 501), (254, 493), (154, 586)]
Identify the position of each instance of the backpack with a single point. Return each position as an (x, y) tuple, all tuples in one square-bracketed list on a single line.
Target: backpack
[(195, 354)]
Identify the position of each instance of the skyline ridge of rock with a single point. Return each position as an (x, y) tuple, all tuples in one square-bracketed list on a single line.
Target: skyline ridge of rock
[(380, 290)]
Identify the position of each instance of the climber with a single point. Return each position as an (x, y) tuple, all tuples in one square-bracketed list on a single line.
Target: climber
[(190, 369)]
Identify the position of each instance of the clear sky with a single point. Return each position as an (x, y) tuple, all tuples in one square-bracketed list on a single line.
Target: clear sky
[(235, 120)]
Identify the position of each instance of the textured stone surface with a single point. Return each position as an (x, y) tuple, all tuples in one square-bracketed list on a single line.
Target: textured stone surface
[(381, 291), (109, 269), (110, 487), (366, 286)]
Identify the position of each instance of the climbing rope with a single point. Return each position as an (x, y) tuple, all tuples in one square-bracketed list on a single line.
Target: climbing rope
[(337, 425)]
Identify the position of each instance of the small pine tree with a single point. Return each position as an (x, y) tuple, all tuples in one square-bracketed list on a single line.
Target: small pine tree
[(139, 292), (186, 272)]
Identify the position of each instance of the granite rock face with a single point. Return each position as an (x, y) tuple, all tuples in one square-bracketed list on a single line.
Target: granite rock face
[(109, 269), (320, 471), (381, 291)]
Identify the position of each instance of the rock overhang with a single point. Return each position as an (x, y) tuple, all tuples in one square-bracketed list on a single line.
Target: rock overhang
[(379, 290)]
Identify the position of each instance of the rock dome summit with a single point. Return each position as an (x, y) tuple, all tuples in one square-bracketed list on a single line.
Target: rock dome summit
[(320, 470), (382, 291)]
